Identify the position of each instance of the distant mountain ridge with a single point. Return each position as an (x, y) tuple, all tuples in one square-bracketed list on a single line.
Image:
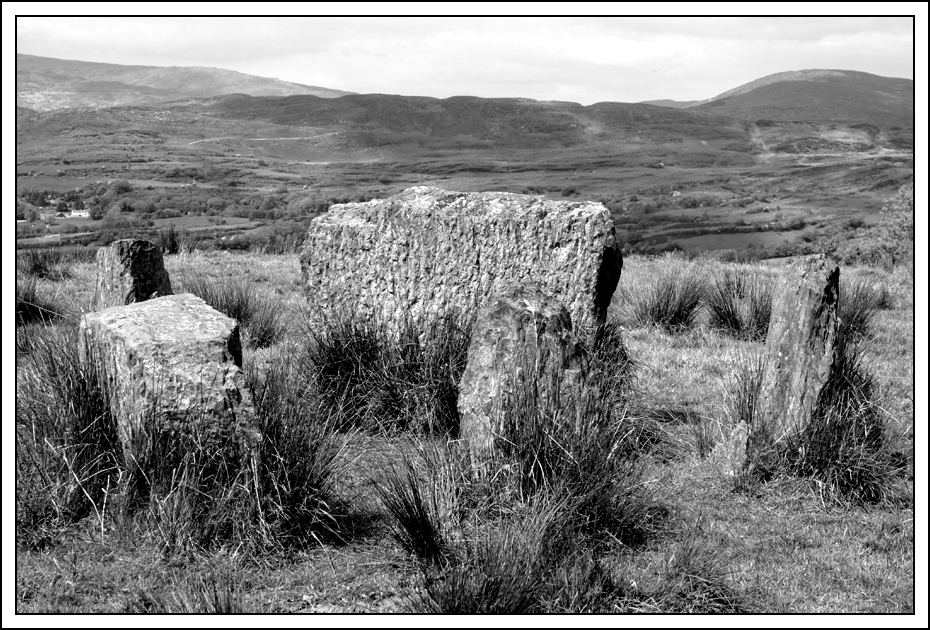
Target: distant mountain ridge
[(819, 96), (667, 102), (45, 84)]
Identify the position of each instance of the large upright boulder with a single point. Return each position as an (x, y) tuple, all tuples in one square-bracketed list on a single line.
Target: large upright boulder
[(801, 350), (427, 252), (523, 361), (171, 365), (129, 271)]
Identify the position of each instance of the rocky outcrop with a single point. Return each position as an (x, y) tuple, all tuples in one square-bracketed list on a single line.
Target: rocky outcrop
[(523, 362), (171, 365), (427, 252), (129, 271), (801, 350)]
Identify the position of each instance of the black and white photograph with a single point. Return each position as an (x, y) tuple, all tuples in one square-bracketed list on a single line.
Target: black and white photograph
[(479, 317)]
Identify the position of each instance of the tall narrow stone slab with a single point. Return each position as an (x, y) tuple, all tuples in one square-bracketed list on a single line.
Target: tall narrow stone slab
[(801, 346), (172, 365), (427, 252), (522, 352), (129, 271)]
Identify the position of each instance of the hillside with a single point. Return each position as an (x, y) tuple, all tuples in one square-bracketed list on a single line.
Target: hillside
[(373, 120), (45, 83), (819, 96), (667, 102)]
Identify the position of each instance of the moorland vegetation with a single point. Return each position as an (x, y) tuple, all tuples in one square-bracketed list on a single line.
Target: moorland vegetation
[(364, 501)]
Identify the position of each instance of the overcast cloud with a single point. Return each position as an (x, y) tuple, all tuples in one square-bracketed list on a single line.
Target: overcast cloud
[(585, 60)]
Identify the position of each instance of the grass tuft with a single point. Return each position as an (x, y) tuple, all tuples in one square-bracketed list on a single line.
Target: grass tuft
[(671, 303), (257, 313), (30, 306), (383, 381), (739, 306), (67, 452), (301, 459), (415, 523), (859, 302), (52, 263), (172, 240)]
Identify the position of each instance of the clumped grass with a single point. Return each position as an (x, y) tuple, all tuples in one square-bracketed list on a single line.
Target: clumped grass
[(843, 447), (192, 593), (415, 524), (739, 306), (670, 303), (498, 532), (384, 380), (694, 580), (274, 491), (859, 301), (67, 453), (30, 306), (172, 240), (52, 263), (610, 366), (300, 460), (503, 570), (258, 314)]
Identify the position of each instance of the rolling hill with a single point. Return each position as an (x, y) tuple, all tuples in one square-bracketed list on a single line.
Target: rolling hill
[(819, 96), (45, 83)]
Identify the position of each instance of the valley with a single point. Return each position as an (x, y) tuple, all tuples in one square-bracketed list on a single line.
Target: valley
[(672, 179)]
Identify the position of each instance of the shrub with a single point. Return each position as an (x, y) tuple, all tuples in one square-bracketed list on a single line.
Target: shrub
[(891, 242), (258, 314)]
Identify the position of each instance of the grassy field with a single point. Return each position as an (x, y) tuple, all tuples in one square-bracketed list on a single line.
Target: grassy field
[(682, 536)]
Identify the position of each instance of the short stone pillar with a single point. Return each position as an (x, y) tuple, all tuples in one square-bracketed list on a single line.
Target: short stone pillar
[(523, 358), (170, 365), (129, 271), (800, 351)]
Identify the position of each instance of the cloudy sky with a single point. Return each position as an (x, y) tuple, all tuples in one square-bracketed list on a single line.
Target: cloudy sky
[(584, 59)]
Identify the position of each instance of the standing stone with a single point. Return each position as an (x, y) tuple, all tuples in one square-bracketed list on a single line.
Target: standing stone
[(129, 271), (800, 350), (522, 353), (171, 364), (427, 252)]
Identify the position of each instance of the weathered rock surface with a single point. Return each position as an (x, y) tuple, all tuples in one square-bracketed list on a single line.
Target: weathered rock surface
[(800, 350), (427, 252), (522, 352), (171, 364), (129, 271)]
